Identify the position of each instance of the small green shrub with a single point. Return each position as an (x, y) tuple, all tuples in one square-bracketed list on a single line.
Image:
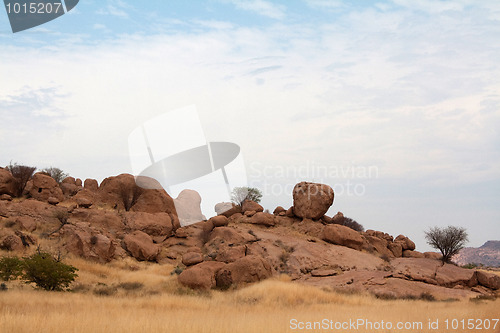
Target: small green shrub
[(47, 272), (10, 268)]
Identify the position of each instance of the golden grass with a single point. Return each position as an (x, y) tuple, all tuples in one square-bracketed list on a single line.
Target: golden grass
[(155, 302)]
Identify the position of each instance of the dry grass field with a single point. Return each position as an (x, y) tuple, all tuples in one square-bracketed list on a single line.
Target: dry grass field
[(127, 296)]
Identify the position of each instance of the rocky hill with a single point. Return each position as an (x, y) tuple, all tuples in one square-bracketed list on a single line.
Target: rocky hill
[(487, 255), (241, 245)]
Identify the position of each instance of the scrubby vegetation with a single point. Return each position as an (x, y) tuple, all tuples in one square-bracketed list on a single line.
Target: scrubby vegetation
[(55, 173), (22, 174), (142, 297), (41, 268), (240, 194)]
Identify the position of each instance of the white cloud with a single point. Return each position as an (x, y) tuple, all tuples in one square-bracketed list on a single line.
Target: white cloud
[(415, 95), (116, 8), (261, 7)]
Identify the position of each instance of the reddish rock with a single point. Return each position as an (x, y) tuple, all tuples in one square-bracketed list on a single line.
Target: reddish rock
[(84, 202), (192, 258), (417, 269), (289, 212), (53, 201), (219, 221), (8, 183), (227, 253), (433, 255), (201, 276), (342, 235), (396, 249), (69, 190), (412, 254), (156, 201), (100, 219), (91, 185), (5, 197), (379, 245), (488, 280), (181, 233), (247, 270), (11, 243), (26, 223), (69, 187), (158, 224), (140, 245), (250, 213), (338, 218), (279, 210), (88, 243), (223, 207), (78, 182), (230, 236), (311, 200), (324, 272), (450, 275), (43, 187), (406, 243), (249, 205), (264, 219), (120, 192)]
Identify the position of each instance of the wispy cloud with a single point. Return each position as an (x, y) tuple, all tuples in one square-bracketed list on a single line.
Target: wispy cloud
[(116, 8), (261, 7)]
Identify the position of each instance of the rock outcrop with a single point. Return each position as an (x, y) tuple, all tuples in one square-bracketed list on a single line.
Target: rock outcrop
[(7, 183), (126, 217)]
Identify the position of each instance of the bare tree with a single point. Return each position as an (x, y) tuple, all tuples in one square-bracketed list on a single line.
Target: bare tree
[(56, 173), (449, 240), (22, 174), (240, 194)]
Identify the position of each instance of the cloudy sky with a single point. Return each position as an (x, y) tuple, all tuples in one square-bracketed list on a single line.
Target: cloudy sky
[(395, 104)]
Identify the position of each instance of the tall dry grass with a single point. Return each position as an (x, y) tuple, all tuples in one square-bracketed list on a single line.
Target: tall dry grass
[(128, 296)]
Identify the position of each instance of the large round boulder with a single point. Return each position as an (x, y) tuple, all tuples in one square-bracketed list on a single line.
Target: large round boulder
[(245, 270), (44, 186), (140, 245), (312, 200), (201, 276), (249, 205)]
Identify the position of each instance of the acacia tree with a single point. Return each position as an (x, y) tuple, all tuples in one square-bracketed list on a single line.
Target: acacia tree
[(240, 194), (449, 240)]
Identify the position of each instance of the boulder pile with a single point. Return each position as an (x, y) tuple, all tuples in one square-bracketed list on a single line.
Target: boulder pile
[(238, 246)]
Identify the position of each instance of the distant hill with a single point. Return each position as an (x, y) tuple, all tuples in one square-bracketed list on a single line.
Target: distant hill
[(488, 254)]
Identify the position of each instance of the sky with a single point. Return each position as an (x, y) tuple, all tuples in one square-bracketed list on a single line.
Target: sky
[(395, 104)]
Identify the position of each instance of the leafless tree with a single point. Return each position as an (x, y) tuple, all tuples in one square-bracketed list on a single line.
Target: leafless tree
[(22, 174)]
